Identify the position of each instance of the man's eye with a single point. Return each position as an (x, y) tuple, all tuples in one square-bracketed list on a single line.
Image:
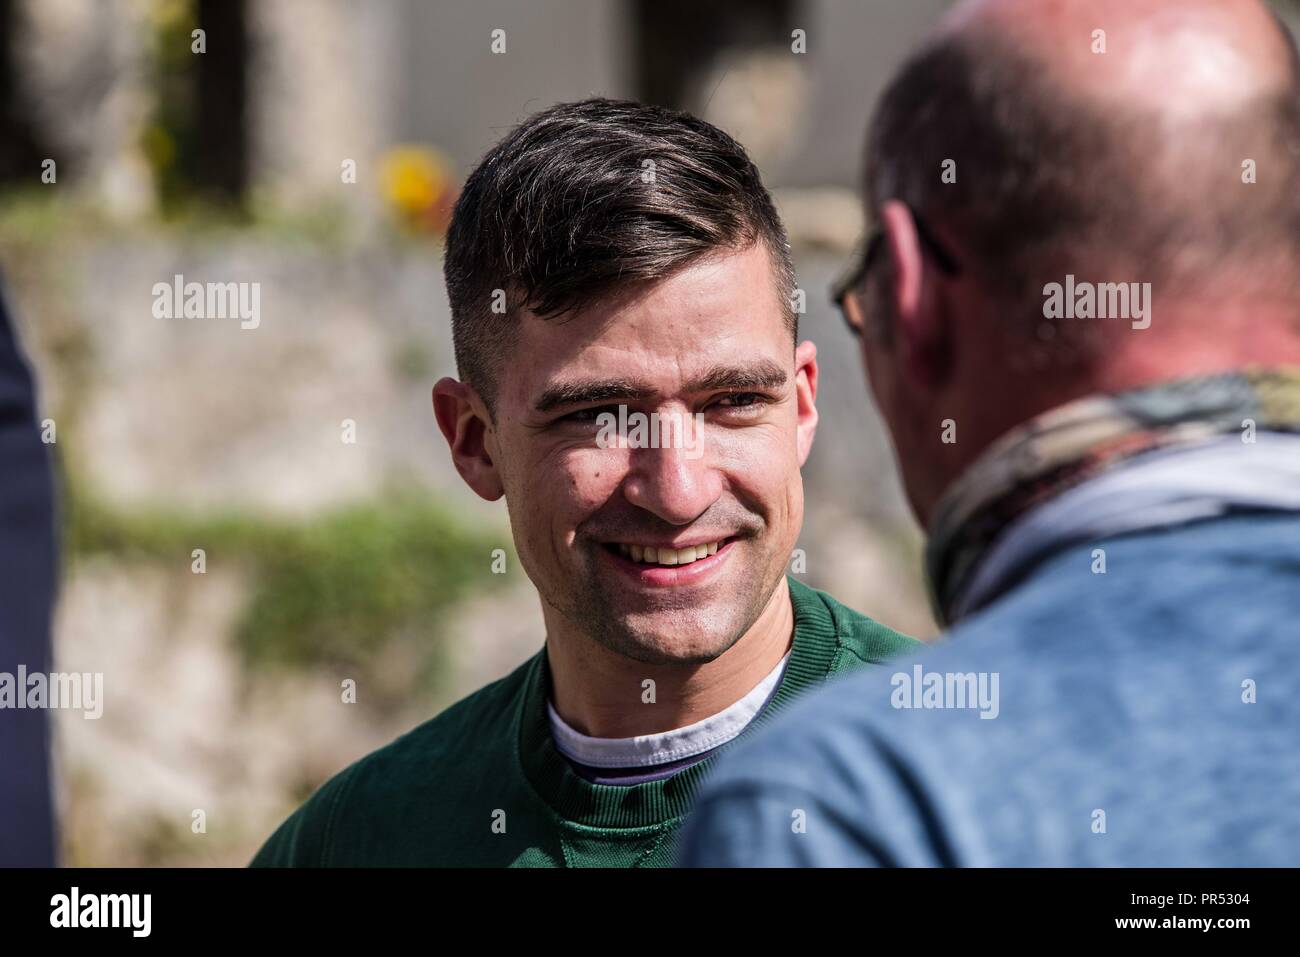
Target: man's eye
[(587, 416), (740, 400)]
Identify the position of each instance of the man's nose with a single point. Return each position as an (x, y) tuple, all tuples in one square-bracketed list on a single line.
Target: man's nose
[(676, 484)]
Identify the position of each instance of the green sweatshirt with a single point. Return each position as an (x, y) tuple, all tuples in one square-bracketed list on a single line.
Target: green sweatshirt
[(482, 784)]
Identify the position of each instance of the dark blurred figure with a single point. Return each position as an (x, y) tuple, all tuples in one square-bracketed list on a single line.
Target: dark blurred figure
[(27, 583)]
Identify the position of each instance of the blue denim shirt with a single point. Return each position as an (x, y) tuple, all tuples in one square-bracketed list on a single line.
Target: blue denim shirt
[(1145, 716)]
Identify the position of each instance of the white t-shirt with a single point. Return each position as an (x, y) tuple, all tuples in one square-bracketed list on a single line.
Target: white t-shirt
[(649, 750)]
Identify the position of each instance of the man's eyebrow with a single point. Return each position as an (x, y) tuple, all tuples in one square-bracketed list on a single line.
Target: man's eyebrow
[(579, 393), (764, 374)]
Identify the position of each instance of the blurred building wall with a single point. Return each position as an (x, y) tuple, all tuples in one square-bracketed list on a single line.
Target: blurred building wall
[(463, 101), (342, 79), (803, 117), (327, 85)]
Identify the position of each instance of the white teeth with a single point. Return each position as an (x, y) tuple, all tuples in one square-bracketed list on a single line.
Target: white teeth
[(648, 554)]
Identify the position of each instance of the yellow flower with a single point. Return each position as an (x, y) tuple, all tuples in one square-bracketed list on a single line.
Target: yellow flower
[(417, 184)]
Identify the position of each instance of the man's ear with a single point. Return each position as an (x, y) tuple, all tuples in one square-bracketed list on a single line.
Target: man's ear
[(465, 423), (923, 335), (805, 390)]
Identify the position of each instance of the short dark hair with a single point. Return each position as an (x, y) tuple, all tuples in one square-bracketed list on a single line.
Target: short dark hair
[(1048, 179), (586, 197)]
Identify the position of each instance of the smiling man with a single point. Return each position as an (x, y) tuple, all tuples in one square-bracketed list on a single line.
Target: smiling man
[(609, 261)]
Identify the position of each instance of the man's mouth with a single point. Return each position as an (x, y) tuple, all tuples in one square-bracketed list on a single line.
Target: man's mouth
[(653, 555)]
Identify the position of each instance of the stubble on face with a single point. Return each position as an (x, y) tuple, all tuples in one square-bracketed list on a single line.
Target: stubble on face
[(676, 626)]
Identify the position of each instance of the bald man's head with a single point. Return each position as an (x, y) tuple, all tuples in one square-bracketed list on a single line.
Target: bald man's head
[(1210, 54), (1102, 136)]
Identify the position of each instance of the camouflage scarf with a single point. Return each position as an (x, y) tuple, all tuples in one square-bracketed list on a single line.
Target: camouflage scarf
[(1064, 448)]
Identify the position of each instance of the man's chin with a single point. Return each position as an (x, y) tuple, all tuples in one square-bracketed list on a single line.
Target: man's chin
[(676, 638)]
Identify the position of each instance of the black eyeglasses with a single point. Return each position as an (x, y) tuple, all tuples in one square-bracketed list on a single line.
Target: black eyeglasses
[(845, 291)]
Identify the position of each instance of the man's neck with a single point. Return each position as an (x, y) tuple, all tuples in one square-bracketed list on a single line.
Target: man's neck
[(1209, 337), (602, 693)]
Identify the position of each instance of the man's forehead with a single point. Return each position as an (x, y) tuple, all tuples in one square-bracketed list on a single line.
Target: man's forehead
[(724, 292), (718, 319)]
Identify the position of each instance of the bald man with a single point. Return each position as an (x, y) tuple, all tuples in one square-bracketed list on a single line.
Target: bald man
[(1080, 316)]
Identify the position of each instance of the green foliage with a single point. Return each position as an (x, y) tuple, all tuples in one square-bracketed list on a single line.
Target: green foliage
[(170, 139), (412, 361), (335, 591), (339, 588)]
